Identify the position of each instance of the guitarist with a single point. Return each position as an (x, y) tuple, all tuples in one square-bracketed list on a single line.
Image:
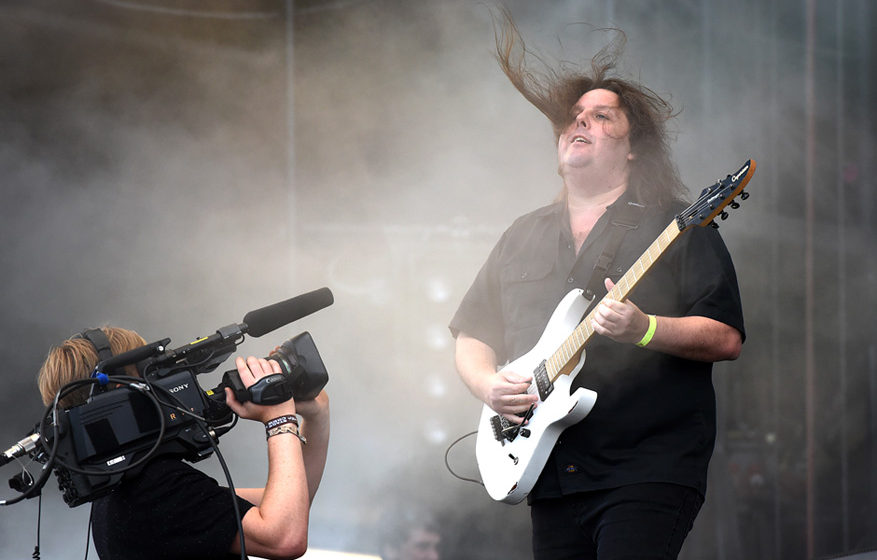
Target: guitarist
[(629, 479)]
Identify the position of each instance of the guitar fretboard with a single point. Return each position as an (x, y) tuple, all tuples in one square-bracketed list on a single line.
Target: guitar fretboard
[(566, 357)]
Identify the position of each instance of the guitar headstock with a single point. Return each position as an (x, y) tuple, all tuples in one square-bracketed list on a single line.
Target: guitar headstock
[(713, 199)]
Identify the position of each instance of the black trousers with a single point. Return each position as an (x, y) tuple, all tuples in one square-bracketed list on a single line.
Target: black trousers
[(640, 521)]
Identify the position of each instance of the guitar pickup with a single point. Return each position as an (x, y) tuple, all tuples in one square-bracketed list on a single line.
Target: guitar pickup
[(543, 384)]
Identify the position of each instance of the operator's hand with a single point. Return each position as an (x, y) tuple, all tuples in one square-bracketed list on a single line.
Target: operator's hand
[(316, 409), (252, 370), (506, 393), (620, 321)]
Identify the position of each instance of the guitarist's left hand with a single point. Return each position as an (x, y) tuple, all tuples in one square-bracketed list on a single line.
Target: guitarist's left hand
[(620, 321)]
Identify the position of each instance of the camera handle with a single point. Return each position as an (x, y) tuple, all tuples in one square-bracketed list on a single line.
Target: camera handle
[(271, 389)]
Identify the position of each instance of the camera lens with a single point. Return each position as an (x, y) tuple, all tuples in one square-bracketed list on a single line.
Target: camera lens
[(285, 356)]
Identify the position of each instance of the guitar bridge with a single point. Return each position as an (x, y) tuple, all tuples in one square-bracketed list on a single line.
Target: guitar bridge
[(504, 430), (499, 425)]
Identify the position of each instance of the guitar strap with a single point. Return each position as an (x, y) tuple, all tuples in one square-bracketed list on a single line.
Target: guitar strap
[(627, 218)]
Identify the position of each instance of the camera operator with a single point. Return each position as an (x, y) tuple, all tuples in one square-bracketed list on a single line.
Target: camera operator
[(172, 510)]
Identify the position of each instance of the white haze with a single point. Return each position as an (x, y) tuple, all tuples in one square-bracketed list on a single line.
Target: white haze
[(151, 181)]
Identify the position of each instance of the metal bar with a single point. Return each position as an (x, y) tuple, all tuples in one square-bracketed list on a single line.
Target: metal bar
[(776, 311), (291, 200), (840, 132), (809, 290)]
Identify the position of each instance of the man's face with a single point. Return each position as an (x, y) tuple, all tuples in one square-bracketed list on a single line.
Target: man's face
[(421, 545), (598, 135)]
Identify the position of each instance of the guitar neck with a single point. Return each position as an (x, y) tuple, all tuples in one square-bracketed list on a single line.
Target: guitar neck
[(567, 356)]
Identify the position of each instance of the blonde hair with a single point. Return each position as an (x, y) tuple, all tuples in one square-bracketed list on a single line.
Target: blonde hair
[(75, 358)]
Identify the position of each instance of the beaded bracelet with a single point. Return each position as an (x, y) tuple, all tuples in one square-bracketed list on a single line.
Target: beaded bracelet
[(289, 428)]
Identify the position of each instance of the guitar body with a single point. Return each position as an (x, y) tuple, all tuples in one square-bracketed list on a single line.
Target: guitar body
[(509, 469)]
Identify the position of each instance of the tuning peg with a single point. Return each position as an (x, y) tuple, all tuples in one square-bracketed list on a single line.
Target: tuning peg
[(714, 225), (724, 215), (744, 195), (735, 204)]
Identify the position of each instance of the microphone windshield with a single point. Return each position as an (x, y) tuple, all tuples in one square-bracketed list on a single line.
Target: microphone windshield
[(264, 320)]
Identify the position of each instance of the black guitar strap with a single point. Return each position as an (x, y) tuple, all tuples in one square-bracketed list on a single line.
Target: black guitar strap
[(626, 219)]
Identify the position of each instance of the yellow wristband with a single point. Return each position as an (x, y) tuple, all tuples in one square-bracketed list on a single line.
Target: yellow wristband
[(653, 323)]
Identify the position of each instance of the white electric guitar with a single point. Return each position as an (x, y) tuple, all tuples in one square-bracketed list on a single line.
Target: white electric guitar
[(511, 456)]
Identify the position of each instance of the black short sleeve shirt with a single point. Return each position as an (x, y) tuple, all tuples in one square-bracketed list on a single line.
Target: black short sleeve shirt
[(169, 510), (654, 419)]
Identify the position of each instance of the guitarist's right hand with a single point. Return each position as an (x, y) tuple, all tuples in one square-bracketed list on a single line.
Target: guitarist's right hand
[(506, 393), (503, 391)]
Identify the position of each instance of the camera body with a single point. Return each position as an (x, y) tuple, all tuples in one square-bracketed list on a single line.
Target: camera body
[(115, 432), (99, 440)]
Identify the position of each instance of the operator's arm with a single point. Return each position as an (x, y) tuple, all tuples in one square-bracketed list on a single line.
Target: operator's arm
[(315, 428), (502, 391), (277, 527)]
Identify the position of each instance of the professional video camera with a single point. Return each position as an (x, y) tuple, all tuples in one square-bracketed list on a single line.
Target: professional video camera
[(93, 446)]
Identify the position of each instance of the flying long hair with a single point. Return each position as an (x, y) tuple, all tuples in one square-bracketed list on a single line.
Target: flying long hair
[(654, 178)]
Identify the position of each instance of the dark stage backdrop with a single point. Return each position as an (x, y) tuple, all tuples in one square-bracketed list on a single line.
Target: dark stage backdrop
[(168, 167)]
